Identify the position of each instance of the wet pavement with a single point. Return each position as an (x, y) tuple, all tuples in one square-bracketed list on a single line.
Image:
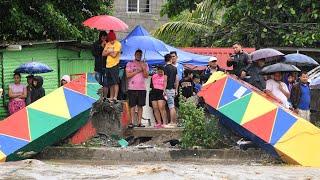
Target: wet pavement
[(35, 169)]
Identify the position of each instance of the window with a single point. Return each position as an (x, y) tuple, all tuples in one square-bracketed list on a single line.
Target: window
[(138, 6), (133, 5), (144, 6)]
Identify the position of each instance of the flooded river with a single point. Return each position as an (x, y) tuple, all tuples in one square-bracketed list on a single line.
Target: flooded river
[(35, 169)]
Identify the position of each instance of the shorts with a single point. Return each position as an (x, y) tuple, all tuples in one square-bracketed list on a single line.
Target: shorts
[(171, 93), (111, 76), (98, 77), (305, 114), (155, 95), (137, 97)]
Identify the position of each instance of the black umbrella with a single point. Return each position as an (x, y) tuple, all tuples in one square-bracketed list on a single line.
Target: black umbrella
[(33, 68), (279, 67), (268, 54)]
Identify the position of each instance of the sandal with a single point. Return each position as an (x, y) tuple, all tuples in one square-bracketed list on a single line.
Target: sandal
[(130, 125), (141, 125)]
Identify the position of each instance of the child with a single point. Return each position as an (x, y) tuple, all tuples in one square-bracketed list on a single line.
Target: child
[(186, 84), (156, 97), (37, 89), (196, 81)]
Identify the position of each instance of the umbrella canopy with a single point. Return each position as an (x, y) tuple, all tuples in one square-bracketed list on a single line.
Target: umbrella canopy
[(315, 82), (33, 68), (300, 60), (146, 43), (105, 22), (157, 57), (268, 54), (279, 67)]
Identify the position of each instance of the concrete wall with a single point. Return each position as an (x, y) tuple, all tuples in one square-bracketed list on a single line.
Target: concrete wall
[(151, 21)]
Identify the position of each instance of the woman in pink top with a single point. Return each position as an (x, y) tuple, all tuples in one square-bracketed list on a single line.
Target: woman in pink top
[(17, 94), (157, 98)]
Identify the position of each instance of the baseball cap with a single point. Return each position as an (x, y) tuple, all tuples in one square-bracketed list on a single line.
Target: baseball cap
[(212, 58)]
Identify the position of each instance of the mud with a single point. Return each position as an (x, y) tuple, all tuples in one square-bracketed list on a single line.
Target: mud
[(34, 169)]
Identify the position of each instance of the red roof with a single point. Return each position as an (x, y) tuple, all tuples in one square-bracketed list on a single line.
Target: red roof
[(221, 53)]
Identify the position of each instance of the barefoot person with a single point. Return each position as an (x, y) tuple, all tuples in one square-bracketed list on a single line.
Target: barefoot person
[(137, 72)]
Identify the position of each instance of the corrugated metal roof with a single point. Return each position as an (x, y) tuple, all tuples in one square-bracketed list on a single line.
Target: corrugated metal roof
[(223, 54)]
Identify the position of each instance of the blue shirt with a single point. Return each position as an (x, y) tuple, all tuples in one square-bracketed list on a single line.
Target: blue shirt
[(305, 98), (197, 86), (180, 70)]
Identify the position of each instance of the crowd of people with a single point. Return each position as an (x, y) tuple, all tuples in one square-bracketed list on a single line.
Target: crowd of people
[(172, 78), (21, 95)]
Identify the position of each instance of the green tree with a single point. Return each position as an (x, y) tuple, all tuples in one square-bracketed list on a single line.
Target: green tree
[(48, 19), (192, 28), (258, 23), (175, 7)]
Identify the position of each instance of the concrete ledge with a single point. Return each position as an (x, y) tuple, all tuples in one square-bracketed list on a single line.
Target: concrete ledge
[(154, 132), (152, 154)]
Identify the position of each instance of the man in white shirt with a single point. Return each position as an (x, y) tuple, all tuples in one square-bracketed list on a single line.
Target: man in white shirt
[(278, 90)]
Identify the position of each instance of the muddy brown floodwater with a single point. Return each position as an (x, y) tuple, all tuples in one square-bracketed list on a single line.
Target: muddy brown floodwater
[(35, 169)]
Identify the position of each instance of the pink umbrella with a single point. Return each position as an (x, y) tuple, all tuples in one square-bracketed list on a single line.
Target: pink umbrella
[(105, 22)]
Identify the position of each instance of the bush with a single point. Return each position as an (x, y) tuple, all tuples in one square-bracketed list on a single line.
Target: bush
[(199, 130)]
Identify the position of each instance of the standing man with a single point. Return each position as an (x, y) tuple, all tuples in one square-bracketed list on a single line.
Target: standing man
[(301, 97), (180, 68), (239, 60), (99, 60), (171, 88), (112, 50), (212, 67), (137, 72)]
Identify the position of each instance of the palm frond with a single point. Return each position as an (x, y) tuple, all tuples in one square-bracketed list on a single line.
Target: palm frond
[(209, 11), (185, 27)]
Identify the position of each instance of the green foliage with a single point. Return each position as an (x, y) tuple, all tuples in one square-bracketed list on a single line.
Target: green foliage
[(260, 23), (49, 19), (198, 130), (174, 7), (192, 28)]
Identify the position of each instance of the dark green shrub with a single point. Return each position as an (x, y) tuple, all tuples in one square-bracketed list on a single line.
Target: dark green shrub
[(199, 129)]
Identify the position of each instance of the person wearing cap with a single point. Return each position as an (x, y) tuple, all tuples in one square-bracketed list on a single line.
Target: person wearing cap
[(112, 50), (212, 67), (29, 88), (64, 80)]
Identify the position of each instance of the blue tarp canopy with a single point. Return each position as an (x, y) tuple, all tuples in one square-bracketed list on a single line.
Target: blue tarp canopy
[(156, 57)]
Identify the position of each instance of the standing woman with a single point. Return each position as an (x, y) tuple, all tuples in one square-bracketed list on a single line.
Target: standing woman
[(17, 94), (157, 98)]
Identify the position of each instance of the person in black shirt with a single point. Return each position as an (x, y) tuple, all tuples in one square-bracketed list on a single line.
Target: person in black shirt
[(239, 60), (186, 84), (99, 60), (37, 89), (171, 88)]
